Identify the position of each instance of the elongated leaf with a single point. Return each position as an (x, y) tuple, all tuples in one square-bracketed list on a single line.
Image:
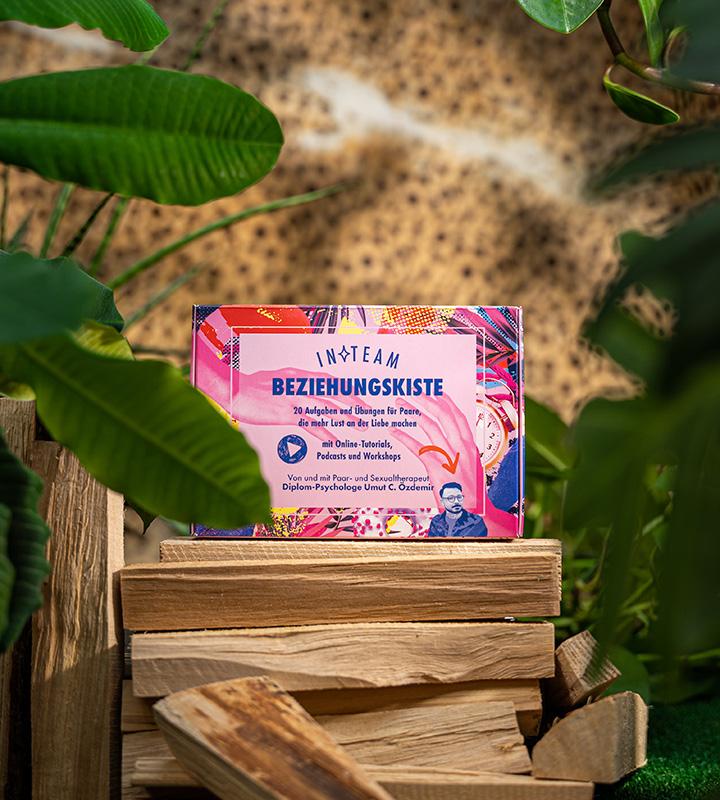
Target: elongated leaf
[(690, 150), (103, 340), (546, 437), (653, 28), (699, 20), (563, 16), (7, 571), (140, 429), (638, 106), (43, 297), (20, 490), (139, 131), (132, 22)]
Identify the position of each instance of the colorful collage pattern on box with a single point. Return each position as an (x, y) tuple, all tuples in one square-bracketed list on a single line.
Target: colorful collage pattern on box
[(499, 405)]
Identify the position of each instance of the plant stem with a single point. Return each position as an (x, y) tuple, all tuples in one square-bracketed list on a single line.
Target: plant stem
[(77, 239), (224, 222), (56, 215), (4, 208), (208, 28), (659, 75), (161, 297), (117, 212)]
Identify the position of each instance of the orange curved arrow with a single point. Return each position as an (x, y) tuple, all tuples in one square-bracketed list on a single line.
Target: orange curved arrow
[(452, 463)]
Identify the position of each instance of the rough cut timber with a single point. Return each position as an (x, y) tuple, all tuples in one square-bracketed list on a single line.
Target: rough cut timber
[(174, 596), (356, 655), (185, 549), (76, 651), (403, 783), (457, 737), (580, 673), (146, 744), (523, 694), (136, 712), (600, 742), (249, 738)]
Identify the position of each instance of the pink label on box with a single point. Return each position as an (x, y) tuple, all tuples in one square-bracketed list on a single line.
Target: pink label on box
[(343, 419)]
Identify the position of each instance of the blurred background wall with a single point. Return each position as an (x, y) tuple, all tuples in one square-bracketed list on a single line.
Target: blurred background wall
[(469, 132)]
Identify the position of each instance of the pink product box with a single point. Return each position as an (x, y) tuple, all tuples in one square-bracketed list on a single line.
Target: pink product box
[(373, 421)]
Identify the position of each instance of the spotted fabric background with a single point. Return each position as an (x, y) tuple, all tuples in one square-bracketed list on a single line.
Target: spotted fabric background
[(468, 132)]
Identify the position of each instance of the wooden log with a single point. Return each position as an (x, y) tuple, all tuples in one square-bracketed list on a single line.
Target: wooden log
[(175, 596), (148, 744), (187, 549), (136, 712), (407, 783), (600, 742), (523, 694), (249, 738), (77, 655), (580, 673), (376, 654), (466, 736), (403, 783), (17, 420)]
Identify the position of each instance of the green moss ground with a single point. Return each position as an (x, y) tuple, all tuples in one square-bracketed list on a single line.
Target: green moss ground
[(683, 756)]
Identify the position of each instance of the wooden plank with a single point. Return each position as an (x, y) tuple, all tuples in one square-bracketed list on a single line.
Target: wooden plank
[(424, 784), (149, 744), (187, 549), (77, 657), (173, 596), (249, 738), (465, 736), (523, 694), (302, 658), (580, 673), (136, 712), (601, 742), (17, 420), (403, 783)]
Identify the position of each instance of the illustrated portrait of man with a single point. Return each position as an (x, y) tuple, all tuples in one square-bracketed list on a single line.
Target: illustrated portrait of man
[(455, 521)]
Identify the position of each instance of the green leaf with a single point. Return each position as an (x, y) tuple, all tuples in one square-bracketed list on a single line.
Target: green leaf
[(691, 150), (139, 131), (41, 297), (633, 673), (638, 106), (142, 430), (7, 571), (20, 490), (699, 20), (546, 438), (103, 340), (653, 28), (563, 16), (132, 22)]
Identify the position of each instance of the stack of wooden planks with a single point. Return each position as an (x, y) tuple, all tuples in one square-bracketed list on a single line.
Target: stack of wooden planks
[(285, 665)]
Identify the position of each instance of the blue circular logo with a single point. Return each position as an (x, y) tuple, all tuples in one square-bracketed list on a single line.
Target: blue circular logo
[(292, 448)]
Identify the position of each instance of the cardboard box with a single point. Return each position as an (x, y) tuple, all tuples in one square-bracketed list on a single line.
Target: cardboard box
[(373, 421)]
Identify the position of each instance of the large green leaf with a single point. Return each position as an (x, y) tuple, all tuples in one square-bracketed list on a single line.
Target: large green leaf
[(563, 16), (653, 28), (20, 491), (139, 131), (699, 21), (638, 106), (43, 297), (693, 149), (142, 430), (547, 449), (7, 571), (132, 22)]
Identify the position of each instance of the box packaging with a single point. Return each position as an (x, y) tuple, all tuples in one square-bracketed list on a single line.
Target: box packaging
[(373, 421)]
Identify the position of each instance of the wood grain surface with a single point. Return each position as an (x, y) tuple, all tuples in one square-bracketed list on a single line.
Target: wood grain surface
[(77, 657), (249, 738), (173, 596), (307, 657)]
